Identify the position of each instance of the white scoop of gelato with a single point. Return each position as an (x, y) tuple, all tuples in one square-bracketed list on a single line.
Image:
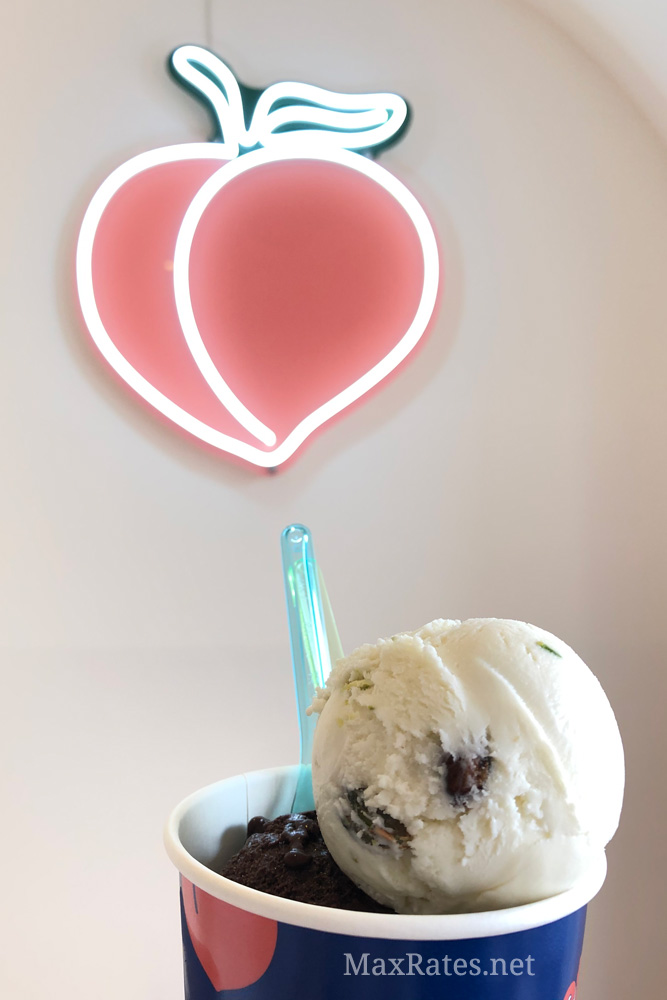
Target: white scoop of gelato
[(466, 766)]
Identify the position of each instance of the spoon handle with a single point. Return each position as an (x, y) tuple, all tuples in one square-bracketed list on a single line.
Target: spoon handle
[(310, 625), (333, 638), (310, 652)]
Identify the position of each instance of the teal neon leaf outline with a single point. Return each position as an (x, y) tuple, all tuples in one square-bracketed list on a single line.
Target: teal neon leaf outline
[(358, 122), (350, 121)]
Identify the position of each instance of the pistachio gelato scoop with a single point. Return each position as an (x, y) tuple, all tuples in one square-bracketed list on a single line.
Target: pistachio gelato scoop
[(469, 765)]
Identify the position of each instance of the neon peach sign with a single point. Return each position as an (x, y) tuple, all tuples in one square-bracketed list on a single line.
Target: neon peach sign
[(252, 287)]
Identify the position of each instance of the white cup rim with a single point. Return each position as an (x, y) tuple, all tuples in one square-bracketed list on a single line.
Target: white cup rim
[(408, 927)]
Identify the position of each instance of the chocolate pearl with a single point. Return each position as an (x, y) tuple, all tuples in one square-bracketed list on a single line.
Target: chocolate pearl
[(257, 825), (296, 858), (296, 832)]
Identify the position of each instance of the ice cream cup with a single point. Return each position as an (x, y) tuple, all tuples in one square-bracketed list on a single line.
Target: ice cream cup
[(245, 944)]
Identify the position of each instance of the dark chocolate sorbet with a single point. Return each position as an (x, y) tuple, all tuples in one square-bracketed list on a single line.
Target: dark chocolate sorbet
[(288, 857)]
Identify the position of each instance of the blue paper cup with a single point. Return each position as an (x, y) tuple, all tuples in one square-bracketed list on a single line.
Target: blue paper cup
[(243, 944)]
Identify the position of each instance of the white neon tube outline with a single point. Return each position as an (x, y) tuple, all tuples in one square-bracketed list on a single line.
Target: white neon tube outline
[(408, 202), (358, 121), (166, 406), (84, 276), (325, 118), (85, 282), (390, 109), (229, 109), (193, 338)]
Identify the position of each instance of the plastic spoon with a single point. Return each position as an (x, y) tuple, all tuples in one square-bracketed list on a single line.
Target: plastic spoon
[(314, 641)]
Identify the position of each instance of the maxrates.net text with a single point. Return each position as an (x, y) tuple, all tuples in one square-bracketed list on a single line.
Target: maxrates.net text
[(414, 964)]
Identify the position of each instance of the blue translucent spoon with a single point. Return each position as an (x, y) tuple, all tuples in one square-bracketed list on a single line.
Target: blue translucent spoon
[(314, 641)]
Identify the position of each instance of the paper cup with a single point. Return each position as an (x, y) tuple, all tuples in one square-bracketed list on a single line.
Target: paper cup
[(245, 944)]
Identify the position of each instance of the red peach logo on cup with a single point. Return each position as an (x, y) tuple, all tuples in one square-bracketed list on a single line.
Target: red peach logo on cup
[(252, 287), (235, 947), (571, 993)]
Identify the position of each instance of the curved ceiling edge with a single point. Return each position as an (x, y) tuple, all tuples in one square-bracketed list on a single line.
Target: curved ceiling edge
[(628, 40)]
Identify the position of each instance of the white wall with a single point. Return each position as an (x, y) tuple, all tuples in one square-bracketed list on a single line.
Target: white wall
[(628, 39), (516, 468)]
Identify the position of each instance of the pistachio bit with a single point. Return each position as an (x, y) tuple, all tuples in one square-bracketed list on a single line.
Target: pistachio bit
[(378, 829), (361, 684), (548, 649), (355, 796), (465, 775), (392, 830)]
